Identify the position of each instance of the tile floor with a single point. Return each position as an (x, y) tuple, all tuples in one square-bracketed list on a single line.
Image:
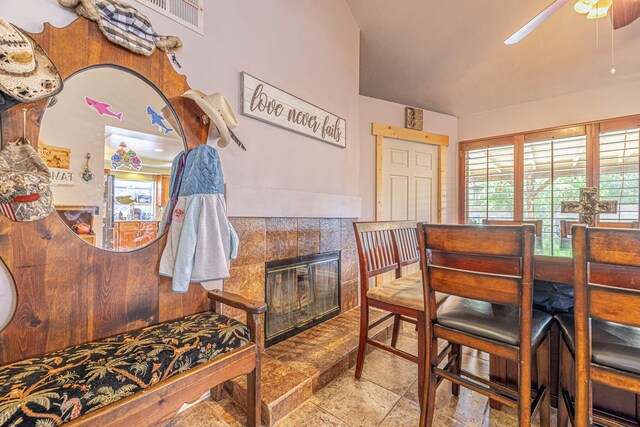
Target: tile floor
[(386, 396)]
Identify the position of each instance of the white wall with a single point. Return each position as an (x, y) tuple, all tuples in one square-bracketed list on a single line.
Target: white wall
[(594, 104), (389, 113), (306, 47)]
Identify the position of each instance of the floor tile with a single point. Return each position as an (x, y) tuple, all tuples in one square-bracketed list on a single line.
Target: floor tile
[(310, 415), (360, 403), (389, 371)]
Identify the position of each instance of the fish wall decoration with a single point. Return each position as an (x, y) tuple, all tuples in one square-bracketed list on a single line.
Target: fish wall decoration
[(103, 108), (158, 120)]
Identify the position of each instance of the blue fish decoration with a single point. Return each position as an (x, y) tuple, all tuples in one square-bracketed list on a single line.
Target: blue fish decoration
[(158, 120)]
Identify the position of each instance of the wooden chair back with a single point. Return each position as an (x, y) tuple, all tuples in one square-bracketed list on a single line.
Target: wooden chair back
[(565, 226), (536, 223), (487, 263), (606, 268), (385, 246)]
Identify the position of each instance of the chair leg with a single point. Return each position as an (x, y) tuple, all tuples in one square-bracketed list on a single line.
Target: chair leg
[(364, 332), (253, 397), (524, 388), (217, 392), (396, 330), (428, 396), (544, 380), (422, 356), (456, 352), (563, 383)]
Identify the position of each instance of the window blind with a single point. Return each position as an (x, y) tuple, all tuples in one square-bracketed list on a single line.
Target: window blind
[(554, 170), (489, 184), (619, 167)]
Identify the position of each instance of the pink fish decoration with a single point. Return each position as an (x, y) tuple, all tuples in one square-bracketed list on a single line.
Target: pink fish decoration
[(102, 108)]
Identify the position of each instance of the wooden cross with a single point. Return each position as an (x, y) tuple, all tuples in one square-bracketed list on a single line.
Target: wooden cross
[(590, 206)]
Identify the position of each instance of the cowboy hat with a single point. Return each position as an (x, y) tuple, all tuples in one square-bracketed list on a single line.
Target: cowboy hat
[(26, 72), (124, 25), (218, 109)]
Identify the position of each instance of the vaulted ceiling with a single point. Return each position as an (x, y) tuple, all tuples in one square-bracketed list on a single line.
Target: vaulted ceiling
[(448, 55)]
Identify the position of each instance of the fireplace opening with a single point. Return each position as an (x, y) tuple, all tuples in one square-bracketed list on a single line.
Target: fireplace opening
[(300, 293)]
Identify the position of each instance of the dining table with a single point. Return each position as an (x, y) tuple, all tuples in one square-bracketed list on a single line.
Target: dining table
[(553, 272)]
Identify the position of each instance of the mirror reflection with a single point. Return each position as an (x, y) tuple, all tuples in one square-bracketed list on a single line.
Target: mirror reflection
[(109, 139)]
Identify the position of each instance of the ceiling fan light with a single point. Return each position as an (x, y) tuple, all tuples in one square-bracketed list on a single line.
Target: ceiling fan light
[(600, 10), (583, 6)]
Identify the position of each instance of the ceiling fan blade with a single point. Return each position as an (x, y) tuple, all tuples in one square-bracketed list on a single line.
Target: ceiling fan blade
[(625, 12), (535, 22)]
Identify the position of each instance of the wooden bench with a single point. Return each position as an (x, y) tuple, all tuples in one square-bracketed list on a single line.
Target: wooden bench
[(140, 378)]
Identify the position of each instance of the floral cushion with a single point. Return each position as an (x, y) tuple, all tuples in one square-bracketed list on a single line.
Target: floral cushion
[(61, 386)]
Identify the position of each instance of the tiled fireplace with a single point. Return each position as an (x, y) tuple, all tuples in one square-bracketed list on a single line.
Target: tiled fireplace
[(300, 293), (267, 240)]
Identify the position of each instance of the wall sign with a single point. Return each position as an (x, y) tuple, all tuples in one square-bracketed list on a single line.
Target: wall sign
[(265, 102)]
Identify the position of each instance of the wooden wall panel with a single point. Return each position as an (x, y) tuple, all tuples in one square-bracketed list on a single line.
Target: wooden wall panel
[(68, 291)]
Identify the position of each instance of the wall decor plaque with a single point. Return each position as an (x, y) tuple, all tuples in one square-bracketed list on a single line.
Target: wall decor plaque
[(413, 118), (265, 102), (55, 157)]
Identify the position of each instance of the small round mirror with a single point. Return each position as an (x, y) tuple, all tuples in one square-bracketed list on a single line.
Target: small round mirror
[(109, 139)]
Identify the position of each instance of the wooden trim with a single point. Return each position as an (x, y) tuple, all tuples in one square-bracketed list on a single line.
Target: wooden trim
[(593, 155), (486, 143), (565, 132), (462, 191), (410, 134), (628, 122), (379, 177), (518, 171), (381, 131)]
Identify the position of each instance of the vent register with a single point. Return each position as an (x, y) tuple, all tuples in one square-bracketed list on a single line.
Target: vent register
[(189, 13)]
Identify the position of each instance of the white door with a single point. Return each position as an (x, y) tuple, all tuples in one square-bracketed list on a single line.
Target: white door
[(410, 173)]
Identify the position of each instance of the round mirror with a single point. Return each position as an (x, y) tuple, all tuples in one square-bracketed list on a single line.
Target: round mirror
[(8, 296), (109, 139)]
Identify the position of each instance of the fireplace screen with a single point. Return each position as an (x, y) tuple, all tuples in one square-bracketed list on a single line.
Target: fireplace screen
[(301, 293)]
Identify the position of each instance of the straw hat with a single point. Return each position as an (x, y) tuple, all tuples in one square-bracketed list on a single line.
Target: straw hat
[(26, 72), (217, 107)]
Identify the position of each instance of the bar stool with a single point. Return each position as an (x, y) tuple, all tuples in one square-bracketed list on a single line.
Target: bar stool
[(488, 273), (602, 337)]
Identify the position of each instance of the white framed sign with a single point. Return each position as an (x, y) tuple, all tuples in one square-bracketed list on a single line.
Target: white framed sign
[(265, 102)]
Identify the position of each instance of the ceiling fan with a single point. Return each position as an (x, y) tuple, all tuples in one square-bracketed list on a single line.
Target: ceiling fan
[(624, 12)]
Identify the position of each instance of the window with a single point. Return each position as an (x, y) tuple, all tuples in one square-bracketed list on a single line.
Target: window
[(554, 170), (489, 176), (527, 176), (619, 167)]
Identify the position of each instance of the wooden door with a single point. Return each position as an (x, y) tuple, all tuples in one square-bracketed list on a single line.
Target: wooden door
[(410, 179)]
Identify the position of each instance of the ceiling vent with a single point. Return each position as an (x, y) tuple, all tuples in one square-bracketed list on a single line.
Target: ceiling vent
[(189, 13)]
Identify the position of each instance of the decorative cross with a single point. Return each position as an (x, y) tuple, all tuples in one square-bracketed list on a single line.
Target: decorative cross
[(590, 206)]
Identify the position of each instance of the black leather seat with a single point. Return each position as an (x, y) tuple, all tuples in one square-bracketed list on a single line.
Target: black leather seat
[(492, 321), (613, 345)]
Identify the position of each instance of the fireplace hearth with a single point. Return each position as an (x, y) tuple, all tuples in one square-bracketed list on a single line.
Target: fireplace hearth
[(300, 293)]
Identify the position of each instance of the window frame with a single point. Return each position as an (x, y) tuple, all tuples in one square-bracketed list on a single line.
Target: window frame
[(591, 129)]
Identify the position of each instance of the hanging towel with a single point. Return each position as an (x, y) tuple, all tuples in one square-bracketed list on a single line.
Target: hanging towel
[(200, 240)]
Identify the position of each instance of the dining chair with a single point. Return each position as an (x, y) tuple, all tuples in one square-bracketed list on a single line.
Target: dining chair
[(537, 223), (389, 246), (565, 225), (487, 271), (602, 338)]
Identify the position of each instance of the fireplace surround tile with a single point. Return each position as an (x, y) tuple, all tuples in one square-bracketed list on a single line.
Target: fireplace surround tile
[(348, 235), (308, 236), (349, 293), (247, 281), (349, 265), (330, 238), (282, 238), (252, 236)]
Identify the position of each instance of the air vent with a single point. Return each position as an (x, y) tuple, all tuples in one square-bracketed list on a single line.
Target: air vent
[(189, 13)]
